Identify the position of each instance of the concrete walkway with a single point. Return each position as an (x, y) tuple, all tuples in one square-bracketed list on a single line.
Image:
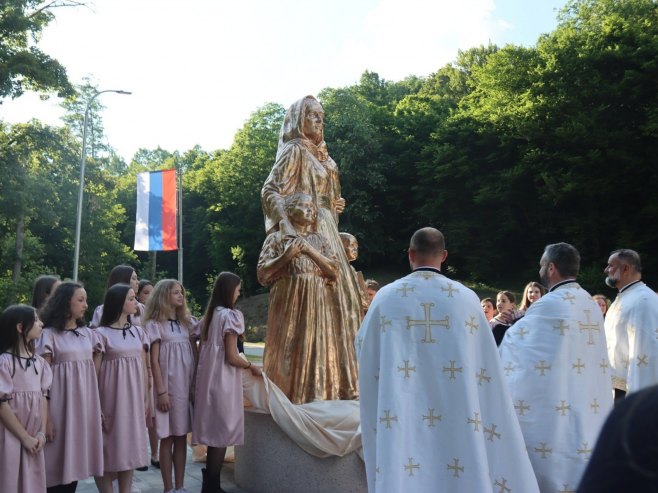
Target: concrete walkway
[(151, 481)]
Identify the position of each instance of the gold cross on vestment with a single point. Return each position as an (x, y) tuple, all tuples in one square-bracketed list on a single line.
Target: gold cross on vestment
[(521, 332), (642, 360), (475, 421), (543, 450), (503, 486), (452, 369), (542, 367), (578, 366), (562, 327), (521, 408), (509, 368), (388, 418), (406, 368), (586, 452), (431, 418), (569, 297), (482, 376), (383, 322), (405, 289), (566, 489), (492, 432), (563, 408), (411, 466), (428, 323), (595, 406), (471, 324), (589, 326), (455, 467), (449, 289), (604, 364)]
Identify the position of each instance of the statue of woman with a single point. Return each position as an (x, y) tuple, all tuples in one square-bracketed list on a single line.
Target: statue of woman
[(303, 165)]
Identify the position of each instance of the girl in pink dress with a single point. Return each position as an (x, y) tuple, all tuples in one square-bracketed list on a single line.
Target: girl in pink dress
[(218, 409), (122, 382), (169, 327), (74, 448), (24, 382), (123, 274)]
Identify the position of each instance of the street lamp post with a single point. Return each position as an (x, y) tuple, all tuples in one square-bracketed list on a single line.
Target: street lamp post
[(78, 221)]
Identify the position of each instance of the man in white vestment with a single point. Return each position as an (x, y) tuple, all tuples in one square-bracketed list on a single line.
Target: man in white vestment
[(631, 324), (556, 365), (435, 413)]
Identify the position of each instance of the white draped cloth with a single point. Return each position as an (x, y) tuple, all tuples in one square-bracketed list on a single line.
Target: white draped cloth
[(631, 328), (436, 415), (321, 428), (556, 365)]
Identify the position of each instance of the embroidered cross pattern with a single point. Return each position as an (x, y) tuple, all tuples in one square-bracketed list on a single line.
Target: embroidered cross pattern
[(431, 417), (388, 418), (411, 466), (455, 467), (595, 406), (566, 489), (542, 368), (569, 297), (474, 421), (482, 376), (521, 332), (584, 451), (562, 327), (642, 360), (578, 366), (509, 368), (543, 450), (492, 432), (428, 323), (589, 326), (604, 364), (452, 369), (471, 325), (503, 486), (405, 289), (563, 408), (383, 322), (406, 369), (449, 289), (521, 408)]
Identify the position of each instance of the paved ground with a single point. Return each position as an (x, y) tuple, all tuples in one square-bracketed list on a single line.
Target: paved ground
[(151, 481)]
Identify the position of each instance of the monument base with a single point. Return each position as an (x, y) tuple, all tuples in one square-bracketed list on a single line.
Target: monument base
[(270, 462)]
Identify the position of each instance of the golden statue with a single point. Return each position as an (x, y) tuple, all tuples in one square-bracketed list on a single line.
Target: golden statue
[(330, 310)]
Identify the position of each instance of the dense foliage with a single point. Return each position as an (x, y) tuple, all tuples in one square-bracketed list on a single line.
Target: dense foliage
[(505, 150)]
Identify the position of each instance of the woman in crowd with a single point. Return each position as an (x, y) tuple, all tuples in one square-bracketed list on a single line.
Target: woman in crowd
[(603, 302), (168, 323), (507, 315), (44, 286), (489, 308), (74, 449), (124, 274), (531, 293)]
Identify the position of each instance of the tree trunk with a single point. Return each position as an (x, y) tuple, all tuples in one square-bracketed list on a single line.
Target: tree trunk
[(20, 237)]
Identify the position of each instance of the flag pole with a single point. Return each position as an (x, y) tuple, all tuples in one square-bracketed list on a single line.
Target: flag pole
[(179, 222)]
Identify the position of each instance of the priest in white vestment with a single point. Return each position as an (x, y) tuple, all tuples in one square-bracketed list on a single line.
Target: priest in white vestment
[(436, 415), (631, 324), (556, 364)]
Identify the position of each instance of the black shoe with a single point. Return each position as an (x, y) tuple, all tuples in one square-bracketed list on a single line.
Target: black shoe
[(143, 468), (155, 463)]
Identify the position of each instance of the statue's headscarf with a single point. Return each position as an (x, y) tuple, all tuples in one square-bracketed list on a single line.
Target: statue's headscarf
[(293, 129)]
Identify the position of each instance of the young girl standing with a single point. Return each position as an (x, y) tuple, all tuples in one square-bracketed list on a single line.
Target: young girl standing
[(169, 326), (74, 449), (123, 274), (24, 382), (218, 408), (122, 384)]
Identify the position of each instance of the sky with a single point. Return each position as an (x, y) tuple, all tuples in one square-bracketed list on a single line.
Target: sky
[(197, 69)]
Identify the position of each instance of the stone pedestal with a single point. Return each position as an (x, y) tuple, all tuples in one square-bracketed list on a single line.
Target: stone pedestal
[(270, 462)]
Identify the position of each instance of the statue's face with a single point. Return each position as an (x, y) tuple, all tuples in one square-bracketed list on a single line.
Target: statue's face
[(313, 121), (304, 211)]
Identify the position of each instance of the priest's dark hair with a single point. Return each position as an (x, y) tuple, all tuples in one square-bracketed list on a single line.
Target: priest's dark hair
[(222, 294), (428, 242), (57, 310), (10, 339), (115, 298), (630, 257), (565, 257)]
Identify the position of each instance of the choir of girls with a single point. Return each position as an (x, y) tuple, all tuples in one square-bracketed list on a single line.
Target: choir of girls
[(71, 394)]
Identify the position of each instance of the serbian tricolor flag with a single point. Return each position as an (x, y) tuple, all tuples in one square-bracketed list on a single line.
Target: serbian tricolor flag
[(155, 224)]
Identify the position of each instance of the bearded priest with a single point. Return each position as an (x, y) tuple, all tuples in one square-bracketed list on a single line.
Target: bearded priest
[(556, 365), (435, 412)]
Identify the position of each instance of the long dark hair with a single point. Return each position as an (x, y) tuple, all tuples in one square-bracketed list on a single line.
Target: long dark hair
[(57, 310), (43, 287), (120, 274), (10, 339), (223, 292), (115, 298)]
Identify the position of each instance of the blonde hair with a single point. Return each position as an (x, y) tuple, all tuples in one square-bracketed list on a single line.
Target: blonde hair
[(158, 306)]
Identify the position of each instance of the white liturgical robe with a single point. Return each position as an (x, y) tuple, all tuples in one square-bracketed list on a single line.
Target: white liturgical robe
[(556, 364), (631, 328), (436, 415)]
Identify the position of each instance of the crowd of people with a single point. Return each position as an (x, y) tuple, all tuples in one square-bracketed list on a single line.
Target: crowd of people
[(79, 400)]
